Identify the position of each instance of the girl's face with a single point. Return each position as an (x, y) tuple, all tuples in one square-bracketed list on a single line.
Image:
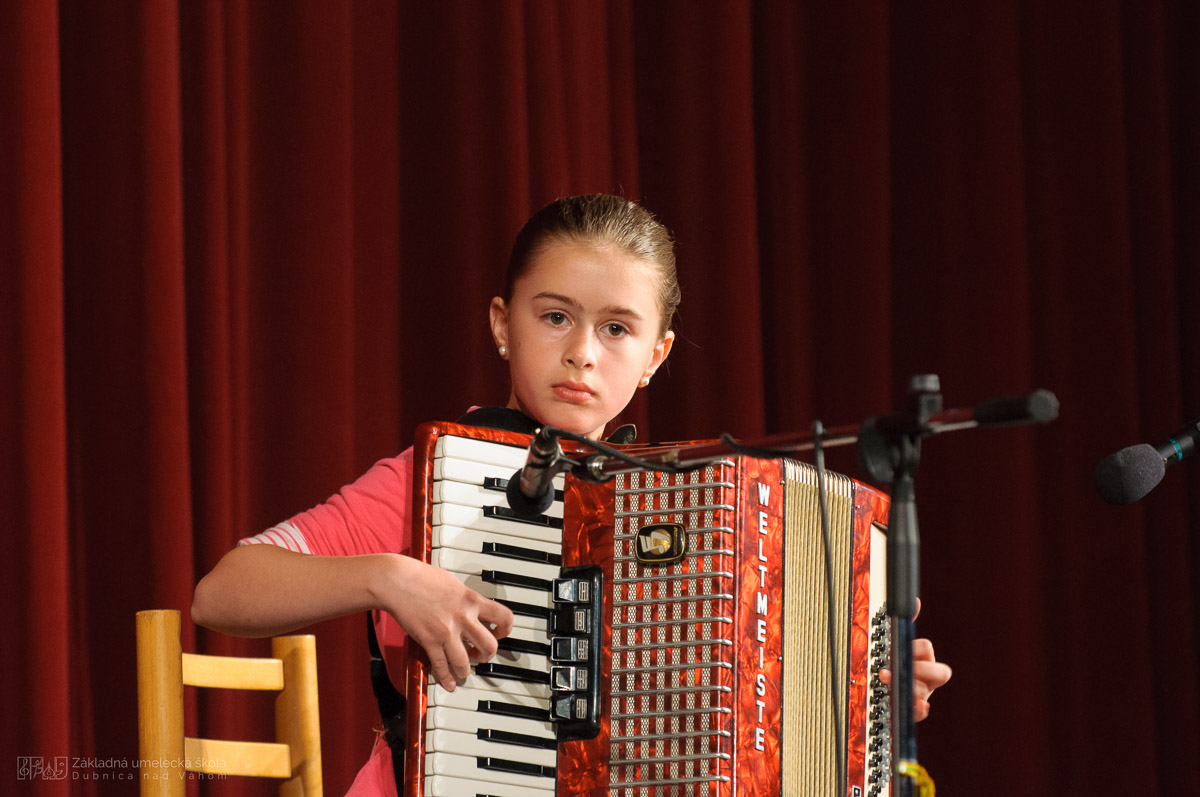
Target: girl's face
[(582, 332)]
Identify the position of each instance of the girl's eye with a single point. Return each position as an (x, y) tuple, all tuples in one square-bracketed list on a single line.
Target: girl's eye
[(556, 318), (616, 330)]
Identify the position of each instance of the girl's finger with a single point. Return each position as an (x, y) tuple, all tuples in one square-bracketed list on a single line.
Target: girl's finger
[(481, 641), (439, 670), (457, 659), (932, 673), (498, 616)]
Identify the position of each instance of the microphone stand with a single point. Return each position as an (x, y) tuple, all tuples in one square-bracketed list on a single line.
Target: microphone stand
[(889, 448)]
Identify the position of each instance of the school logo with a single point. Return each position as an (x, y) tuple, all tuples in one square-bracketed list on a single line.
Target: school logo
[(661, 544)]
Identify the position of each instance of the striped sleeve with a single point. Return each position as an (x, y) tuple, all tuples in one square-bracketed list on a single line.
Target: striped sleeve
[(285, 535)]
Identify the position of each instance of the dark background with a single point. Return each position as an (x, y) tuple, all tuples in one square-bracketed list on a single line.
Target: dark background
[(248, 248)]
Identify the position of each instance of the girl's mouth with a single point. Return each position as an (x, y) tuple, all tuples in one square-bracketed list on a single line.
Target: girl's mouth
[(575, 392)]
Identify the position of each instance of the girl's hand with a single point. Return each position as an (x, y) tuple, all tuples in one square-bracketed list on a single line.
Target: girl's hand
[(928, 674), (454, 624)]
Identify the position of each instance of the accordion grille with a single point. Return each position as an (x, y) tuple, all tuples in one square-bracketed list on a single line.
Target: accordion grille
[(673, 627)]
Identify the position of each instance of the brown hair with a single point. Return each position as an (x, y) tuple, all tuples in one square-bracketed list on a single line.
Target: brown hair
[(601, 219)]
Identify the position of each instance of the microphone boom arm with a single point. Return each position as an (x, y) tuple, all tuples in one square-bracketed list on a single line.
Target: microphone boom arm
[(1040, 406)]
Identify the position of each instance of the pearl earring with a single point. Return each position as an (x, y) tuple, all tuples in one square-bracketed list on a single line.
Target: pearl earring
[(503, 351), (645, 381)]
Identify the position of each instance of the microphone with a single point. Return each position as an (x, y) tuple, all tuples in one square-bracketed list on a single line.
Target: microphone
[(1132, 472), (530, 491)]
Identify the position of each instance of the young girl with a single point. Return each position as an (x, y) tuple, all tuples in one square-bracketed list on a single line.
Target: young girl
[(584, 323)]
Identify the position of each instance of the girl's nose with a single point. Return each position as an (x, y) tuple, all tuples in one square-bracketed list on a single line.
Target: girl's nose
[(581, 350)]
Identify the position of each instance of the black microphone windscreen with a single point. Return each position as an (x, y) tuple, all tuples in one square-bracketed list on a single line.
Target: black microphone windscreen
[(1129, 474), (1040, 406), (524, 506)]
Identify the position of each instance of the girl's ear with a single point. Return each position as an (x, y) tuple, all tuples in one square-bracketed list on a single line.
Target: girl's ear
[(661, 350), (498, 316)]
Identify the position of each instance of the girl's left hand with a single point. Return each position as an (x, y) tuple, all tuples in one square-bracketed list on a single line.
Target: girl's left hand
[(928, 674)]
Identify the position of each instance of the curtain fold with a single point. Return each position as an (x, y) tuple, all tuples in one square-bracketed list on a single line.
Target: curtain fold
[(33, 429), (251, 246)]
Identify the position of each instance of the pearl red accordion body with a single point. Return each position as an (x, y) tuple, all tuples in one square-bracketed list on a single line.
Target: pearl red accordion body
[(702, 665)]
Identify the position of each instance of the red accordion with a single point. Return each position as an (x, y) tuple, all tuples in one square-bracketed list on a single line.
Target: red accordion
[(672, 631)]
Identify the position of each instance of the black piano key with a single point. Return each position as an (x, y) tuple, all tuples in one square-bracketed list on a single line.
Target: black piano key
[(516, 580), (522, 554), (501, 486), (515, 767), (508, 737), (525, 609), (524, 646), (504, 513), (512, 710), (510, 673)]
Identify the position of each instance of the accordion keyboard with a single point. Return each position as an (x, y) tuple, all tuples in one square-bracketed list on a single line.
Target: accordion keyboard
[(493, 734)]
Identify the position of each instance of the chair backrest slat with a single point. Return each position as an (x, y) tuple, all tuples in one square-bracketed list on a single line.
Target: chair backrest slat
[(249, 759), (231, 672)]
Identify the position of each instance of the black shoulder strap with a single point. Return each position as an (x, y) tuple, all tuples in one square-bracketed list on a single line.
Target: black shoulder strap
[(504, 418), (391, 706)]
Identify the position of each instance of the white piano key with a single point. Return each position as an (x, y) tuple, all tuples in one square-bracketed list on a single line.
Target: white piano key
[(453, 719), (476, 563), (471, 540), (462, 470), (528, 661), (519, 634), (448, 492), (536, 624), (469, 744), (468, 698), (464, 766), (505, 686), (533, 597), (529, 635), (443, 786), (468, 472), (473, 518), (501, 455)]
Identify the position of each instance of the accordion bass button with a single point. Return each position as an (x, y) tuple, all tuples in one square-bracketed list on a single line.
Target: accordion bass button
[(571, 707), (571, 649), (569, 679)]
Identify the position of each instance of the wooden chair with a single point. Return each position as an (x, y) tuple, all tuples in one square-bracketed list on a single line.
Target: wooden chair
[(166, 754)]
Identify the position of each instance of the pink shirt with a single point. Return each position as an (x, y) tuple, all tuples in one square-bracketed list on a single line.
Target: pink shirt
[(370, 515)]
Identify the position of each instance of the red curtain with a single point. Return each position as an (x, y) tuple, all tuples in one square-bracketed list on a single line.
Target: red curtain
[(249, 247)]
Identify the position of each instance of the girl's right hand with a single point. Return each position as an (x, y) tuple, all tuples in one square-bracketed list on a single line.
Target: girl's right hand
[(454, 624), (264, 590)]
